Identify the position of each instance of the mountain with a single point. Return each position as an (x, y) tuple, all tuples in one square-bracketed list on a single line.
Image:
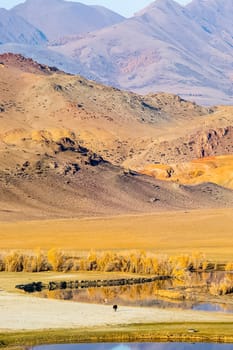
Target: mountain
[(165, 47), (185, 50), (14, 29), (71, 147), (214, 16), (59, 18), (47, 57)]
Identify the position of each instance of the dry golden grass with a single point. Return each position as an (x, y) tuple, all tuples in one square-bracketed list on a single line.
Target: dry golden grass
[(207, 231)]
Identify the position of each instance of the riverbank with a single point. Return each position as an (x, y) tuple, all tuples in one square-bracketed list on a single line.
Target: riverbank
[(28, 320), (26, 312), (157, 332)]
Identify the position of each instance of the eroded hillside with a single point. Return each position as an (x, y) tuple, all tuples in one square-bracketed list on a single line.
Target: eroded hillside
[(67, 144)]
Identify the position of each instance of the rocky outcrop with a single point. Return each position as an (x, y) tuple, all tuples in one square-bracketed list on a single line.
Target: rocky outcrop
[(214, 142), (26, 64), (203, 143)]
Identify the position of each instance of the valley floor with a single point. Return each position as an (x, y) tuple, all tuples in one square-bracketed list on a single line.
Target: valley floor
[(180, 232)]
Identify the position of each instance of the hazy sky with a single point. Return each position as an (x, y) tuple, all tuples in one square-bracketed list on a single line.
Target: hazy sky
[(125, 7)]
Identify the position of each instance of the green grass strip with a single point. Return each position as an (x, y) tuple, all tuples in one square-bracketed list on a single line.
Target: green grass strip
[(161, 332)]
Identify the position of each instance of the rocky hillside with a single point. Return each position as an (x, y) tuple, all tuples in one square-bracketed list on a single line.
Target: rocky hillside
[(66, 144)]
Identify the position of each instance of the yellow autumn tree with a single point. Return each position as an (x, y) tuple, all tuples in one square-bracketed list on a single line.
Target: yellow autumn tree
[(229, 266), (56, 259), (14, 262)]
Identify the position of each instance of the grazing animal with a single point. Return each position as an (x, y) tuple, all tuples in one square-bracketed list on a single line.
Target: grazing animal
[(115, 307)]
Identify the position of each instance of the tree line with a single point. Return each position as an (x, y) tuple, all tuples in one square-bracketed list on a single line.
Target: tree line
[(138, 262)]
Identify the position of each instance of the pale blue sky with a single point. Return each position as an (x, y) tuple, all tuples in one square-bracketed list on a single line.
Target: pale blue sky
[(125, 7)]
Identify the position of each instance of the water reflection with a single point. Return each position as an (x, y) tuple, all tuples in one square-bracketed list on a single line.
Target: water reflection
[(185, 294), (213, 307), (138, 346)]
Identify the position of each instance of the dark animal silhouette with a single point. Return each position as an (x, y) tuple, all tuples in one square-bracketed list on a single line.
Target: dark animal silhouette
[(115, 307)]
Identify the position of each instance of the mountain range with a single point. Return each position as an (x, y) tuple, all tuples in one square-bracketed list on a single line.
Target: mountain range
[(187, 50), (58, 18)]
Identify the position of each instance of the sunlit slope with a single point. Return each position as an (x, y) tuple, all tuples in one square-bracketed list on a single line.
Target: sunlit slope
[(125, 128), (69, 147), (218, 170)]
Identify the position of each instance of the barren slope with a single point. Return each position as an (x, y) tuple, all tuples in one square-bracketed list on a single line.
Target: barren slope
[(110, 122), (58, 18), (165, 47), (14, 29), (62, 139), (205, 139)]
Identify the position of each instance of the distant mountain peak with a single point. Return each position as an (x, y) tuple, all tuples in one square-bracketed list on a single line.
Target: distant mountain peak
[(166, 3), (163, 5), (59, 18), (41, 1)]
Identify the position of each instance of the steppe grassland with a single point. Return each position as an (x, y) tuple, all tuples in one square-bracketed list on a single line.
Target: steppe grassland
[(207, 231)]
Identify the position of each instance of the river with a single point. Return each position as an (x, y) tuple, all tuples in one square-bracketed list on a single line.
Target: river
[(137, 346)]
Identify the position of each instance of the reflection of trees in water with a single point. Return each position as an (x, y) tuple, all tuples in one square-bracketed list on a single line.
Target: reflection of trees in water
[(229, 276), (223, 286), (200, 279), (191, 286), (128, 294)]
